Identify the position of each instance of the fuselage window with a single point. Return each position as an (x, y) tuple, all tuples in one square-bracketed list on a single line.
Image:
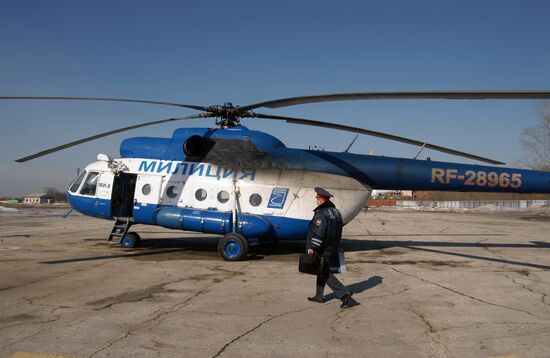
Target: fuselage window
[(223, 196), (146, 189), (76, 184), (200, 194), (255, 199), (90, 184), (172, 191)]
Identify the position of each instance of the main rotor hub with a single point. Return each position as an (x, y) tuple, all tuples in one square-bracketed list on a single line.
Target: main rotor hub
[(228, 115)]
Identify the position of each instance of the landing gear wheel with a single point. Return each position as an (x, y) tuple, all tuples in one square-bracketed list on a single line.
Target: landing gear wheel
[(130, 240), (233, 247)]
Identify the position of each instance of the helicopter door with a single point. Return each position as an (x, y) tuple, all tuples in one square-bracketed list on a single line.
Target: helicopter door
[(147, 197), (122, 197), (103, 192)]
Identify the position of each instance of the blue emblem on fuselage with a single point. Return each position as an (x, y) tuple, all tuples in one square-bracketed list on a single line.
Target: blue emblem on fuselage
[(278, 198)]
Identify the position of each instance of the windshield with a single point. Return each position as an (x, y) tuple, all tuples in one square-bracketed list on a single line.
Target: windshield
[(90, 184), (74, 187)]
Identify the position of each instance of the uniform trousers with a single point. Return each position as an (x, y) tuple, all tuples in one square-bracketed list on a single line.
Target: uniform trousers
[(325, 277)]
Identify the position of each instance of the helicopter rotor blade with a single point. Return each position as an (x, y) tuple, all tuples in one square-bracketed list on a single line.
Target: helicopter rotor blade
[(475, 95), (105, 134), (199, 108), (396, 138)]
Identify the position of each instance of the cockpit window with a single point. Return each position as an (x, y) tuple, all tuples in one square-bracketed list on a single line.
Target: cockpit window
[(76, 184), (90, 184)]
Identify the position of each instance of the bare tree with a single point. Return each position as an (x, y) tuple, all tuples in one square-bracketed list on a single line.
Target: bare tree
[(536, 141), (55, 194)]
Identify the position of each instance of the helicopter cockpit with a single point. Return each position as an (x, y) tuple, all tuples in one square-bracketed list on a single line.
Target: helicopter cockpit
[(90, 193)]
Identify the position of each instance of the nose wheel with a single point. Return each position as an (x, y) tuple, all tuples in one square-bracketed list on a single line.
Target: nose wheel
[(233, 247)]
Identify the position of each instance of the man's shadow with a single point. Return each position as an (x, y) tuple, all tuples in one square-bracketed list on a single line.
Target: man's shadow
[(356, 288)]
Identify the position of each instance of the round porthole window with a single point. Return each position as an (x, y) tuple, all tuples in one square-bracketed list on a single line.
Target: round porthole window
[(223, 196), (200, 194), (255, 199), (146, 189), (172, 191)]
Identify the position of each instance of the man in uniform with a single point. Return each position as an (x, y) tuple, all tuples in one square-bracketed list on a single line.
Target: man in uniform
[(323, 239)]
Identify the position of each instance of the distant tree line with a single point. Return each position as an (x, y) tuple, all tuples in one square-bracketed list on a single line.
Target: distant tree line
[(7, 198), (55, 194)]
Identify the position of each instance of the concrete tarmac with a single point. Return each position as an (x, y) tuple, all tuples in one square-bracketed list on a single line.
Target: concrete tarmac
[(426, 284)]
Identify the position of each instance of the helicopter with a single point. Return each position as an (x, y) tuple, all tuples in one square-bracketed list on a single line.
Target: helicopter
[(247, 186)]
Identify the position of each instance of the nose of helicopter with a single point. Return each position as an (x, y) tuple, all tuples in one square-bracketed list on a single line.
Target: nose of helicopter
[(72, 200)]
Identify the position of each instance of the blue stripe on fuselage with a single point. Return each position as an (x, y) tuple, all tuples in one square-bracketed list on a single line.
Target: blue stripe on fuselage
[(288, 228), (145, 213), (283, 228), (99, 208)]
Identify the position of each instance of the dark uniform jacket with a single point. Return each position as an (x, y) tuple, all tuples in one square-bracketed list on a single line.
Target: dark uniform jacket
[(325, 230)]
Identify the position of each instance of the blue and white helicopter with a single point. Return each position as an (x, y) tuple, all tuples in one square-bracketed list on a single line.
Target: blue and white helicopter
[(249, 187)]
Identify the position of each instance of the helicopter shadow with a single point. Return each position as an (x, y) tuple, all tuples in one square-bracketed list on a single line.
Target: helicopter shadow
[(157, 249), (435, 247), (353, 243), (201, 247)]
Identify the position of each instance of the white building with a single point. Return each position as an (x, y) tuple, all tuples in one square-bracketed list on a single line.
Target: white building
[(38, 198)]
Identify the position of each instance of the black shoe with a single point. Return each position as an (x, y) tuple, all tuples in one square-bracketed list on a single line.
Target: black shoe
[(346, 298), (316, 299)]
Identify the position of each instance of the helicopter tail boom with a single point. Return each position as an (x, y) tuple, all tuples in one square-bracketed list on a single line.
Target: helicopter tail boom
[(390, 173)]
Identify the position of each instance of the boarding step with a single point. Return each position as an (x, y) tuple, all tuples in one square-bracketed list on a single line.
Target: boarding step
[(120, 228)]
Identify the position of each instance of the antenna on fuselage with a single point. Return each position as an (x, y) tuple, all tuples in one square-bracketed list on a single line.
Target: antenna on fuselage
[(353, 141), (417, 154)]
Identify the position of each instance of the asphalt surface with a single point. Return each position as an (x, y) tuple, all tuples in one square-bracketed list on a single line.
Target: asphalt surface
[(426, 285)]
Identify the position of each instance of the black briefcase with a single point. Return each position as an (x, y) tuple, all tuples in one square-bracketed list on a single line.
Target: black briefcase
[(309, 264)]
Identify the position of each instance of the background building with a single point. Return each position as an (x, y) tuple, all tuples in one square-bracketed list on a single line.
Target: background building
[(38, 198)]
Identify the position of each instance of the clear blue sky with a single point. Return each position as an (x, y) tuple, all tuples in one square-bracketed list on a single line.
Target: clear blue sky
[(209, 52)]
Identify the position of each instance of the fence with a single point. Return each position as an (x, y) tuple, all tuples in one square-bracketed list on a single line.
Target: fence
[(512, 204), (382, 202)]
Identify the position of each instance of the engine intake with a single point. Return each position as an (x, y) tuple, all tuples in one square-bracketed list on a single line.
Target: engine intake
[(195, 146)]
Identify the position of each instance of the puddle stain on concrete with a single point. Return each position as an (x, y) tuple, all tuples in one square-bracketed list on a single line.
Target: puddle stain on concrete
[(131, 296), (18, 318)]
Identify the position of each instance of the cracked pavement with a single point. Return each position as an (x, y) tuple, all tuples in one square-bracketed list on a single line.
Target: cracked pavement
[(426, 284)]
